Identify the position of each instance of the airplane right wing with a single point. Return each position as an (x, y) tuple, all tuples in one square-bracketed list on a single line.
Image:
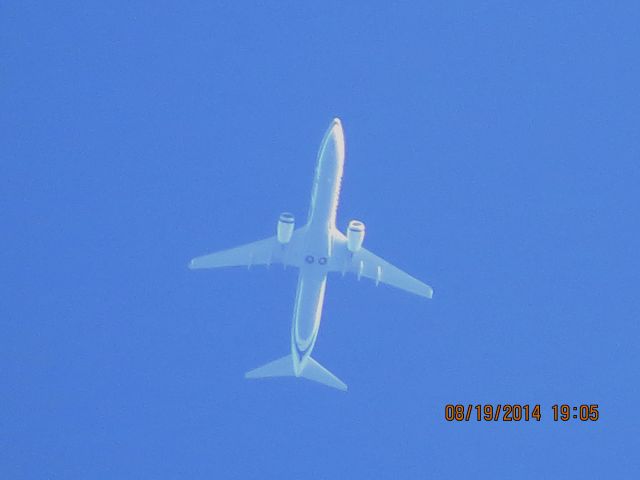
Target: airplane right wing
[(363, 263), (263, 252)]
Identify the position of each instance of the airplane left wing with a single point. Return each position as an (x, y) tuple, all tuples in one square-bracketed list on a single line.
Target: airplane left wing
[(263, 252), (363, 263)]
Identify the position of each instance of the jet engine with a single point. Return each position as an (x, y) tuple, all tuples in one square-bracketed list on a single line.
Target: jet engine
[(355, 235), (286, 223)]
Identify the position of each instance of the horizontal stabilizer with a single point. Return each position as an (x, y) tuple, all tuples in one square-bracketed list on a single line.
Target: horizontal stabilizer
[(316, 372), (282, 367)]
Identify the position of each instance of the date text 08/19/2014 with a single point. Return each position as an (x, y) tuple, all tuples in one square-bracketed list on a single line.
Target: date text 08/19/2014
[(514, 412)]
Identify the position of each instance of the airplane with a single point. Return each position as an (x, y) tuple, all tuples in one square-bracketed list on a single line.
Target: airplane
[(316, 249)]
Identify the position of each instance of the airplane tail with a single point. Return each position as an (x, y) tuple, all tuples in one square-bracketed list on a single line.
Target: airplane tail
[(283, 367)]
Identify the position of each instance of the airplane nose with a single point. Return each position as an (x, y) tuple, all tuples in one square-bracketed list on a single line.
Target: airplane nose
[(331, 154), (335, 131)]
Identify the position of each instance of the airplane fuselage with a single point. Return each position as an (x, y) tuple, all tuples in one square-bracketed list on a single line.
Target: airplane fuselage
[(312, 279), (316, 249)]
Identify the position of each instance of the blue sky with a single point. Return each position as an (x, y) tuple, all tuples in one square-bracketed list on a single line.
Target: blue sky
[(492, 150)]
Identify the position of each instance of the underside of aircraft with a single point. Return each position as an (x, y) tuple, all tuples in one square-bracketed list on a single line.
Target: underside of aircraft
[(315, 249)]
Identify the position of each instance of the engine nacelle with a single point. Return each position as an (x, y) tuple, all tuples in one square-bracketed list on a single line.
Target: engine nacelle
[(286, 223), (355, 235)]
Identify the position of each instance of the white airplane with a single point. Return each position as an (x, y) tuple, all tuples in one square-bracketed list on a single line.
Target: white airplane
[(315, 249)]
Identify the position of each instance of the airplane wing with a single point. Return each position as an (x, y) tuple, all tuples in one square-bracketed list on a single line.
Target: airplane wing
[(263, 252), (363, 263)]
